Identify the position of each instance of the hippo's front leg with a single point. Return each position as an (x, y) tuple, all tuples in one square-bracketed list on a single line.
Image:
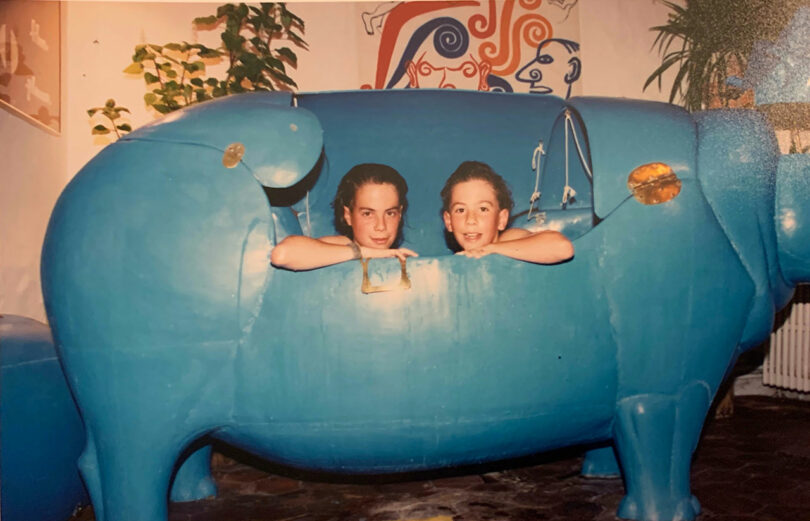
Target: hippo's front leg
[(88, 466), (655, 437), (135, 466)]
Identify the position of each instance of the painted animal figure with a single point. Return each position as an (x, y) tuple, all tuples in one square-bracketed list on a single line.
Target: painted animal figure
[(174, 327)]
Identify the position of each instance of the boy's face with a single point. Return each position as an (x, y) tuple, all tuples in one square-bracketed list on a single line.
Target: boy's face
[(475, 218), (375, 215)]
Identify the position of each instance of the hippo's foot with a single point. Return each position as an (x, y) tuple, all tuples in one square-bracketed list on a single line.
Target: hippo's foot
[(193, 480), (655, 436), (601, 463), (687, 509), (88, 467)]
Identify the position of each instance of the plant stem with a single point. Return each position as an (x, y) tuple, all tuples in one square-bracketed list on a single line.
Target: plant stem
[(183, 79), (157, 70), (112, 121)]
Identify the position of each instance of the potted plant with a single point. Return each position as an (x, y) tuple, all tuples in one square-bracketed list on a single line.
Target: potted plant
[(707, 41), (175, 73)]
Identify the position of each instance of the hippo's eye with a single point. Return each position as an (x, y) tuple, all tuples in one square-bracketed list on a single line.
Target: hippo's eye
[(654, 183)]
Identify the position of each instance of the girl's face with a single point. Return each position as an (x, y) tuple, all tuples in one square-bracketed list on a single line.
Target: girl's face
[(375, 215), (475, 219)]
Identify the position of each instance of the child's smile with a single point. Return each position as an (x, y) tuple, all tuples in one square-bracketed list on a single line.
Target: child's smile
[(475, 218)]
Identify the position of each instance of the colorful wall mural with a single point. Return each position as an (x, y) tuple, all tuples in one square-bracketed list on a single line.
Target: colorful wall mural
[(489, 45)]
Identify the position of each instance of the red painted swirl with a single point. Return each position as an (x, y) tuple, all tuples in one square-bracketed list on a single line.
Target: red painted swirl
[(532, 29), (482, 26), (498, 53)]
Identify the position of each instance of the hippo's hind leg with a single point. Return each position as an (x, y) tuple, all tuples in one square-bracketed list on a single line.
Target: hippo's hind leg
[(601, 463), (193, 479), (655, 436)]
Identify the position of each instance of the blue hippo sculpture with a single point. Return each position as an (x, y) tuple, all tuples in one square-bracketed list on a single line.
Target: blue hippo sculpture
[(174, 327), (39, 479)]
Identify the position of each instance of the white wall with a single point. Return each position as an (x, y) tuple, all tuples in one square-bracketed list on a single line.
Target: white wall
[(97, 43), (32, 175), (616, 48), (615, 38), (98, 52), (33, 167)]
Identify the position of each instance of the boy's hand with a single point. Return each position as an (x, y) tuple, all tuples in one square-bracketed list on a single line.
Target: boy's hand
[(374, 253)]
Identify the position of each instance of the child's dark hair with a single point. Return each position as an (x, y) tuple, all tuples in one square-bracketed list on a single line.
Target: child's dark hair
[(471, 170), (358, 176)]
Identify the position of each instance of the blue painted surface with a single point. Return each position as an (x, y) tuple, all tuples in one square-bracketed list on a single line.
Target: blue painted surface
[(660, 133), (42, 434), (173, 324), (792, 220), (778, 71)]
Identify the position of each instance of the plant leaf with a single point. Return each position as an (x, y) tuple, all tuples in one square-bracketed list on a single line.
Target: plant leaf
[(134, 68), (275, 63), (282, 77), (287, 53), (233, 42), (206, 20), (100, 130)]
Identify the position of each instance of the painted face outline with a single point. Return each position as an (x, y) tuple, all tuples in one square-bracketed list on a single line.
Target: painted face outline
[(375, 215), (475, 218), (423, 73), (557, 64)]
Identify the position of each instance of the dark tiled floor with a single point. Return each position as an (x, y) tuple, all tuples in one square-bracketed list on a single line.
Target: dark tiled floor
[(752, 466)]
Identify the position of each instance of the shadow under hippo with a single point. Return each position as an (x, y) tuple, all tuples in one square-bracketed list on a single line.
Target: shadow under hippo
[(173, 326)]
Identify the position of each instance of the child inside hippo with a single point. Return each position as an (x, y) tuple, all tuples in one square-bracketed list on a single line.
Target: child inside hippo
[(476, 203), (369, 207)]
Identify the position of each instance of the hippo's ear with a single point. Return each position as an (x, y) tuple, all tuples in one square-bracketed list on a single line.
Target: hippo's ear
[(278, 143), (288, 149)]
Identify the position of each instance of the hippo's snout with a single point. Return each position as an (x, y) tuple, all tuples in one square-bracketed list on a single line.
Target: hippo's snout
[(793, 217)]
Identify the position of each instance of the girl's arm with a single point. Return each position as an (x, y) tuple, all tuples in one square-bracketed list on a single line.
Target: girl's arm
[(297, 252), (545, 247)]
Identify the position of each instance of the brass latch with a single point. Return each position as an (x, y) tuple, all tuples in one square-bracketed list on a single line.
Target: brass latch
[(404, 281), (654, 183)]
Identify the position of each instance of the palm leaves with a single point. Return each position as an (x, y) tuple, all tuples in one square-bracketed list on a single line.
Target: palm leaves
[(707, 40)]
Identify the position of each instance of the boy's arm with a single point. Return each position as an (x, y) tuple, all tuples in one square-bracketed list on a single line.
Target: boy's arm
[(298, 252), (545, 247)]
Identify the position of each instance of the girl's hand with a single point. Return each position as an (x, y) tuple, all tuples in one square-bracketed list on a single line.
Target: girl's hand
[(374, 253)]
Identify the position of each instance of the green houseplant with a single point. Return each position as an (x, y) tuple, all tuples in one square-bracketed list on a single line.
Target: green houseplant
[(107, 119), (709, 40), (175, 73)]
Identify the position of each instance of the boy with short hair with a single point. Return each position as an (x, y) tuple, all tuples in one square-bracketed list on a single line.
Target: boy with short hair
[(476, 203)]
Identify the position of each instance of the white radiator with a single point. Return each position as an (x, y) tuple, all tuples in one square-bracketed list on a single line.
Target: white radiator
[(787, 358)]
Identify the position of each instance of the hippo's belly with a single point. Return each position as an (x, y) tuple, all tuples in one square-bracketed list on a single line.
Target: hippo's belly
[(416, 444), (468, 365)]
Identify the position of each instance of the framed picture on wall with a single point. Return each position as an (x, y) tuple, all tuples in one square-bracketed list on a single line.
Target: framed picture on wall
[(30, 61)]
